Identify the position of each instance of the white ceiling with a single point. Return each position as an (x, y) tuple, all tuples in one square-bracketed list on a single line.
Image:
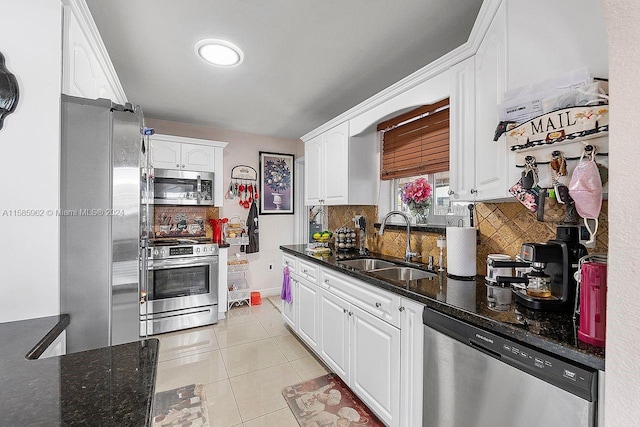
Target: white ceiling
[(305, 61)]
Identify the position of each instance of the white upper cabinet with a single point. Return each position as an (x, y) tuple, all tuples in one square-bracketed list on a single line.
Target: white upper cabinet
[(462, 150), (87, 70), (340, 170), (491, 83)]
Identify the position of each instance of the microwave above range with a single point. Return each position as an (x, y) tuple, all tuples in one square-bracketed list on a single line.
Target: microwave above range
[(178, 187)]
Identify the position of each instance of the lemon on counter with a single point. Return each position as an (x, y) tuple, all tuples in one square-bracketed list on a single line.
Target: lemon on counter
[(316, 236), (326, 235)]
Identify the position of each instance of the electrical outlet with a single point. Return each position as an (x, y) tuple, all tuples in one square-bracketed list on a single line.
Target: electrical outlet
[(270, 266)]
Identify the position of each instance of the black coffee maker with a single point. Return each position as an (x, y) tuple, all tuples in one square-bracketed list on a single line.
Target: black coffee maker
[(550, 284)]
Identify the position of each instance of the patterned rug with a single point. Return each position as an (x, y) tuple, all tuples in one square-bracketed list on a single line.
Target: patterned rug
[(184, 406), (326, 401)]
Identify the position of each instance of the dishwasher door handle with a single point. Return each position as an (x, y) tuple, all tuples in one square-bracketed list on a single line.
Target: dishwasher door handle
[(478, 346)]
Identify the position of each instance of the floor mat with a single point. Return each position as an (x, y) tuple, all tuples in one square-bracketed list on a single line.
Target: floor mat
[(327, 401), (180, 407)]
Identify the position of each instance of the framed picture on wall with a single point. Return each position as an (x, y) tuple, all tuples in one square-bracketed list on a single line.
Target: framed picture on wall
[(276, 183)]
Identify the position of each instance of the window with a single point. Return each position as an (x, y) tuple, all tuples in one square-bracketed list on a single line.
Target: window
[(415, 145)]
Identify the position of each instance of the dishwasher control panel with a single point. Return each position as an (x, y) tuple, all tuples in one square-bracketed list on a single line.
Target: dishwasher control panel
[(569, 376)]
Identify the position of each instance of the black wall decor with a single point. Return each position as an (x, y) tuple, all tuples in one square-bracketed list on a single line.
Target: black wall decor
[(8, 91)]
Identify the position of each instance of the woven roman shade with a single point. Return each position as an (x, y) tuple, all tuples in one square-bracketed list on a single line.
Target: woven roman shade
[(417, 142)]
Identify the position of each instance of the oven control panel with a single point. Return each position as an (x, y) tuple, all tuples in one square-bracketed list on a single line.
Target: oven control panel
[(182, 251)]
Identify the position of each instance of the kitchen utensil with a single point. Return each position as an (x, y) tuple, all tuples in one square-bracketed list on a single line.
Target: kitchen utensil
[(592, 276)]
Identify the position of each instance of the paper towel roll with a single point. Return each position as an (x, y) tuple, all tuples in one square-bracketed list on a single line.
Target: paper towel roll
[(461, 251)]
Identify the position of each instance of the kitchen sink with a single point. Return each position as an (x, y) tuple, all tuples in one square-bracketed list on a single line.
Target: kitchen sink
[(402, 273), (367, 264)]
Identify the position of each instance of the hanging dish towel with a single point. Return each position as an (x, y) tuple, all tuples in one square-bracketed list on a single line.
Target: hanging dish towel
[(252, 231), (285, 294)]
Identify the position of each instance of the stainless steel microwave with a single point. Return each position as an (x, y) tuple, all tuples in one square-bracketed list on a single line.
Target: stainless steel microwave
[(178, 187)]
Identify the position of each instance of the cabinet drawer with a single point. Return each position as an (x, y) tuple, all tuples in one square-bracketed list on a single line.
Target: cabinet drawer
[(307, 271), (378, 302), (291, 262)]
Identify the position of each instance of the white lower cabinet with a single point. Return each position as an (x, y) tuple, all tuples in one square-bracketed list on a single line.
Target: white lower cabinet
[(411, 351), (369, 337), (307, 327), (374, 370), (334, 333)]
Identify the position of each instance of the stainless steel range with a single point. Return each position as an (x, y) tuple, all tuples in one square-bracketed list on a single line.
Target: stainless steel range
[(181, 289)]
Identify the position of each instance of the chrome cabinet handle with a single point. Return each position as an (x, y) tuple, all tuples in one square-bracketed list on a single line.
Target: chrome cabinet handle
[(474, 191), (183, 166), (401, 308), (304, 271), (378, 305), (326, 281), (451, 192), (350, 313), (345, 310), (178, 166)]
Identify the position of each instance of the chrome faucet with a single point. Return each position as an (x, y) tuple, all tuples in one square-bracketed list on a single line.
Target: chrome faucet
[(408, 254)]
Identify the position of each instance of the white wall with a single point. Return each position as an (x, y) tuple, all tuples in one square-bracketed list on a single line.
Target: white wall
[(275, 230), (30, 37), (622, 391)]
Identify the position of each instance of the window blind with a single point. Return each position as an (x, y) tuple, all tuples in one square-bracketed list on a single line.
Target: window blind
[(417, 142)]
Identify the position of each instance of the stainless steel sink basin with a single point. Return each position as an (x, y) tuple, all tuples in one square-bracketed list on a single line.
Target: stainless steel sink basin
[(402, 273), (366, 264)]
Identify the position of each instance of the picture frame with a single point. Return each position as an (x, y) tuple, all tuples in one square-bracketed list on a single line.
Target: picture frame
[(276, 181)]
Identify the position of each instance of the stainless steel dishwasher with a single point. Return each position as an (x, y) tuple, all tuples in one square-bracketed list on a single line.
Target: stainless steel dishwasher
[(474, 378)]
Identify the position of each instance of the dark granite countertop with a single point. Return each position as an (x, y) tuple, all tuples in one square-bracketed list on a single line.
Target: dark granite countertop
[(553, 332), (111, 386)]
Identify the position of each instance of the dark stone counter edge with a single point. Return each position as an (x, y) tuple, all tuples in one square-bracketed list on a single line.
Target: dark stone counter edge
[(49, 338), (505, 329)]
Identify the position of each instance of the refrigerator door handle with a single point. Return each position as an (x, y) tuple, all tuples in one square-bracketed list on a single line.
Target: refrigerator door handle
[(199, 189)]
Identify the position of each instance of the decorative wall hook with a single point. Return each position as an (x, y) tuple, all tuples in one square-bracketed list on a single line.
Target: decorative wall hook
[(8, 91)]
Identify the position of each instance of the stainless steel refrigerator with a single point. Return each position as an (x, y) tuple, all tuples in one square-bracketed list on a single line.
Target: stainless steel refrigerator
[(102, 220)]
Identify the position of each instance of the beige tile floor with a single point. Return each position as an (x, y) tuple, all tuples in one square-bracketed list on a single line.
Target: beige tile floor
[(244, 362)]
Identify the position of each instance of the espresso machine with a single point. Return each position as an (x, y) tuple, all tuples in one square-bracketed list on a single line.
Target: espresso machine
[(550, 285)]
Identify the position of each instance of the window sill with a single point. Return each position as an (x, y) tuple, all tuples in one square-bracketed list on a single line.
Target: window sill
[(428, 228)]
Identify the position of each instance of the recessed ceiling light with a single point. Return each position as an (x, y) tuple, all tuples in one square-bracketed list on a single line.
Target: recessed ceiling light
[(219, 52)]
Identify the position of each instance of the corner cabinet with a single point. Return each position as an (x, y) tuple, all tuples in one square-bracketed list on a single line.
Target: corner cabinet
[(340, 170), (201, 155), (369, 337)]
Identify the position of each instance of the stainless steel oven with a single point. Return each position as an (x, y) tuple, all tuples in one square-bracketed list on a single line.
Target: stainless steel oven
[(178, 187), (181, 287)]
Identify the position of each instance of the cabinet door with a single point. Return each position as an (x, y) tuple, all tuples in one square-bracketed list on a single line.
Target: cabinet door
[(491, 76), (313, 172), (411, 350), (334, 333), (462, 131), (165, 154), (336, 161), (307, 294), (289, 311), (374, 371), (197, 158)]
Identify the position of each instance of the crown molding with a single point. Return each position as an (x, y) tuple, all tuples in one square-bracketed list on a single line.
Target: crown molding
[(468, 49), (88, 26)]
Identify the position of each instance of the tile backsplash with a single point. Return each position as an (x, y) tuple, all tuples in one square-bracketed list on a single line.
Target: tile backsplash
[(183, 221), (503, 227)]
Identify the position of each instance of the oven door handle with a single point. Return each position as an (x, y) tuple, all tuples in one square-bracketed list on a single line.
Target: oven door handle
[(185, 262)]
